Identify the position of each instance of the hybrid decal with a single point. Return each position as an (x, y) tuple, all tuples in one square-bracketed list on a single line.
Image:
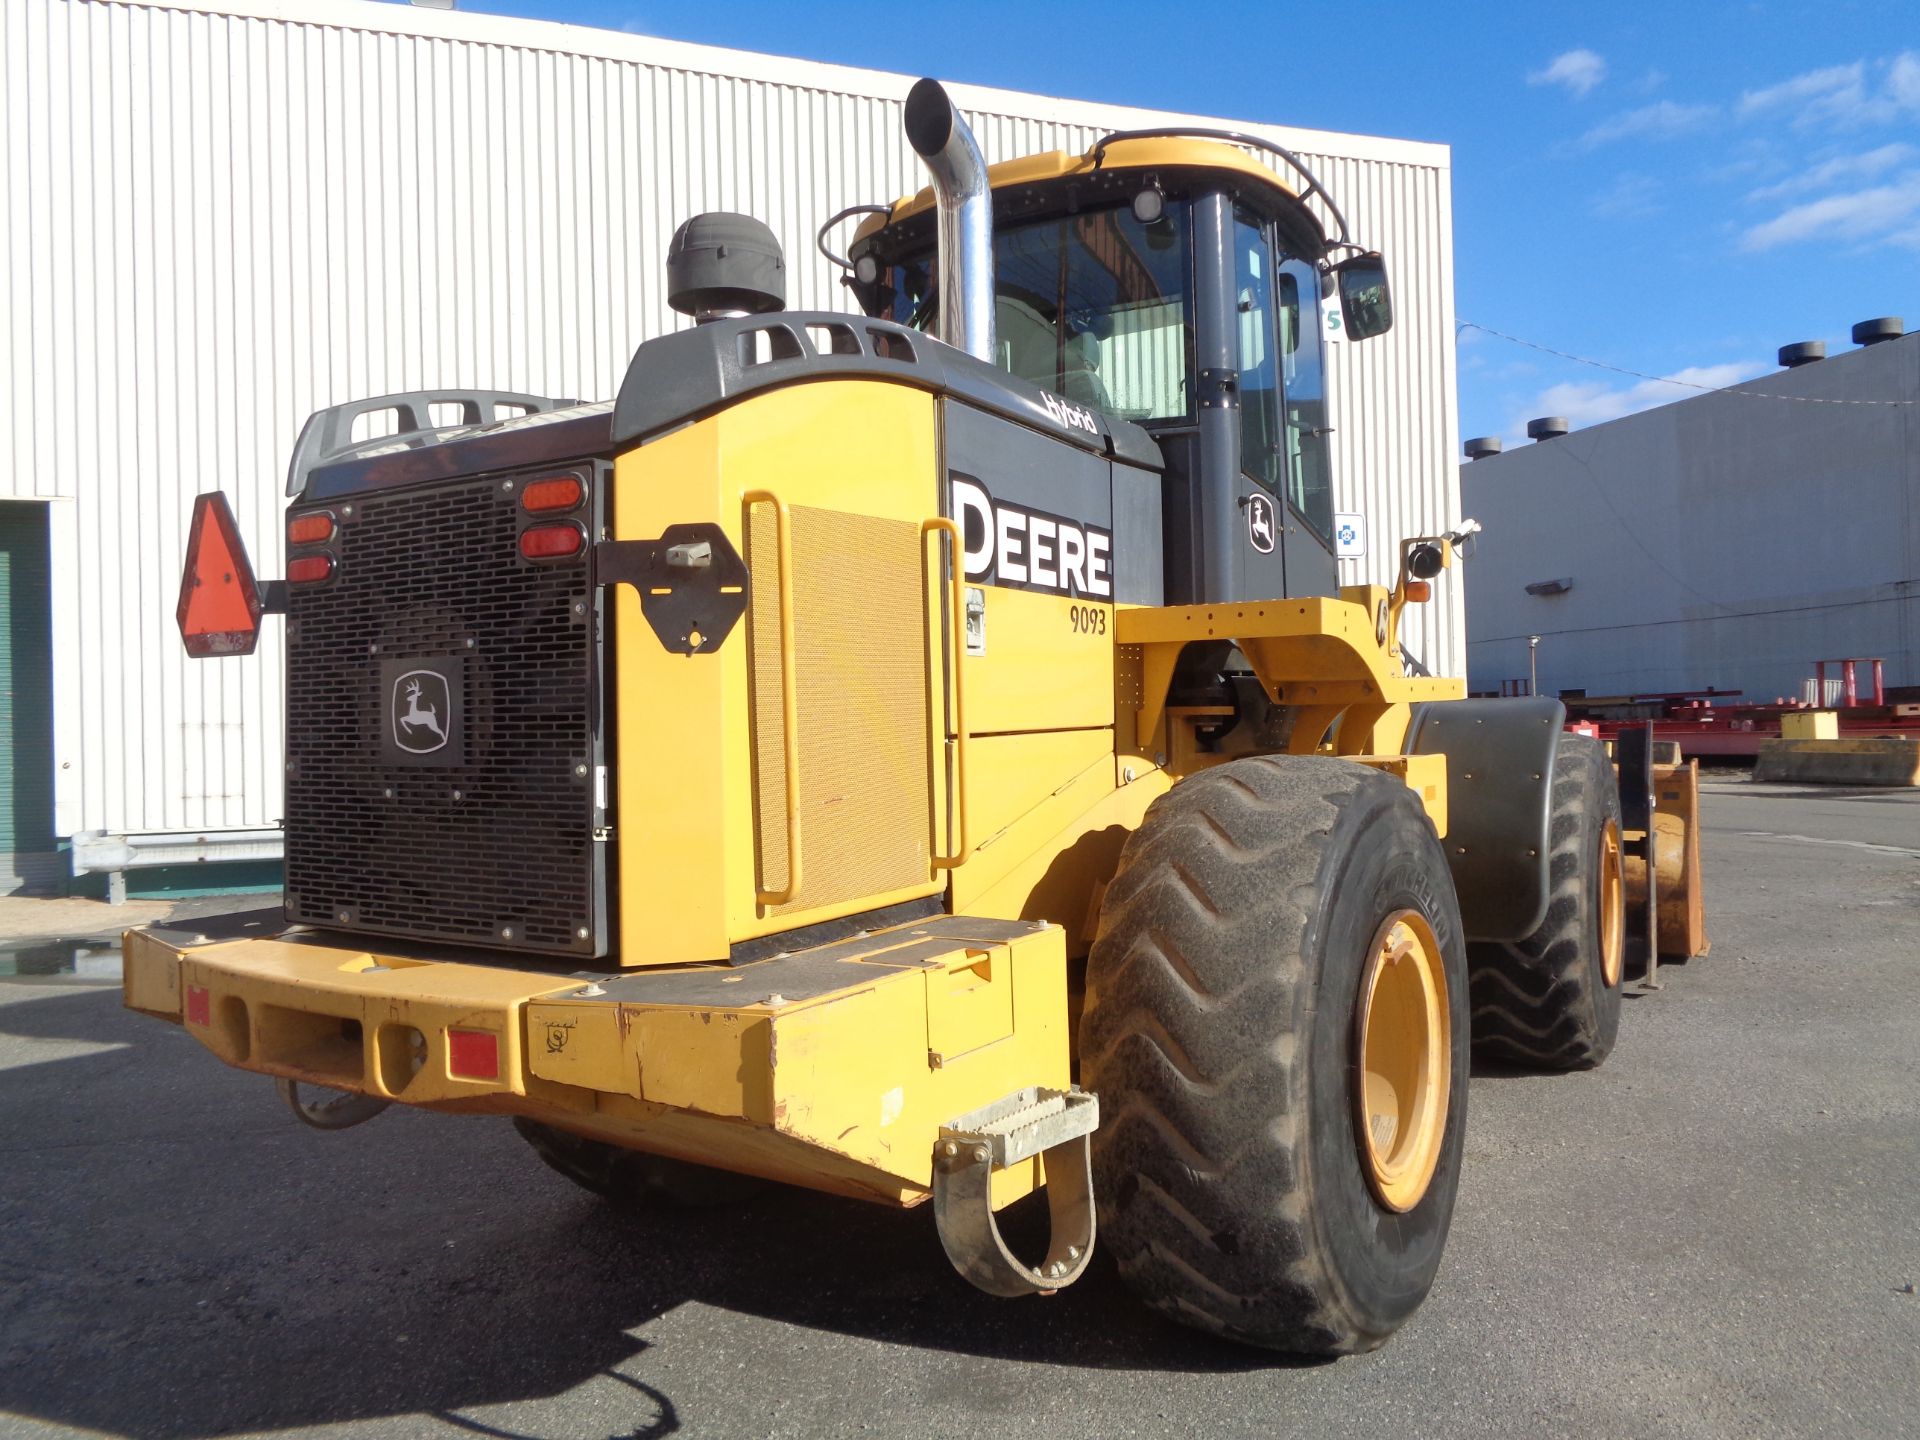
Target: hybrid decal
[(1022, 549), (1067, 415)]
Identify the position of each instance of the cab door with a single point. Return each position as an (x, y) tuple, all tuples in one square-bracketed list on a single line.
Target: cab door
[(1284, 500)]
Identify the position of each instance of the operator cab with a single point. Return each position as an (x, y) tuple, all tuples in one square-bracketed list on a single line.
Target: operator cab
[(1172, 280)]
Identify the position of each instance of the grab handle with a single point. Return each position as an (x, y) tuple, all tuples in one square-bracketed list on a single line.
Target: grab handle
[(957, 800), (789, 691)]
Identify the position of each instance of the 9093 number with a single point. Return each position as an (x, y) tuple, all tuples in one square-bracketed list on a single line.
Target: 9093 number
[(1089, 620)]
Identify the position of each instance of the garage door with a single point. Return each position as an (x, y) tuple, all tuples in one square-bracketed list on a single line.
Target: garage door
[(26, 697)]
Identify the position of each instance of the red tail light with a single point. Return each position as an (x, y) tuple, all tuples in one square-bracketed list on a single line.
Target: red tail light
[(473, 1054), (310, 529), (305, 569), (552, 542), (199, 1005), (219, 610), (563, 492)]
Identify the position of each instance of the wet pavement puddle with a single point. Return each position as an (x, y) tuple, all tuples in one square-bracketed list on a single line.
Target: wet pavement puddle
[(94, 958)]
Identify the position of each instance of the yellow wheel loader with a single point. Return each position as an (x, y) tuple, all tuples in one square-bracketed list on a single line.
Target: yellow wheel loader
[(921, 754)]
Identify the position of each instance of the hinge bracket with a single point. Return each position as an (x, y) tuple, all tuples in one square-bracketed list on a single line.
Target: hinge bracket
[(692, 583)]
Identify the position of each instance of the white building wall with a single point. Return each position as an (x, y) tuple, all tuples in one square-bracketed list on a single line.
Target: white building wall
[(219, 219), (1726, 541)]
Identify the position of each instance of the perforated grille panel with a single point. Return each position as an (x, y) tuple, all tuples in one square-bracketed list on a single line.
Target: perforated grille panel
[(865, 797), (441, 734)]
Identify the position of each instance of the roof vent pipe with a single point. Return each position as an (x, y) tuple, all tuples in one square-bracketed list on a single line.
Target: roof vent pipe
[(941, 138), (1802, 352), (1872, 332), (1480, 447), (1547, 427)]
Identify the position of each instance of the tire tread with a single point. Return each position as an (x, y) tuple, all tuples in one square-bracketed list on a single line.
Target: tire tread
[(1198, 1159), (1537, 1001)]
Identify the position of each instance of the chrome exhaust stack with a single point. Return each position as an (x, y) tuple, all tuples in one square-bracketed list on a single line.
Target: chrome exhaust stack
[(939, 135)]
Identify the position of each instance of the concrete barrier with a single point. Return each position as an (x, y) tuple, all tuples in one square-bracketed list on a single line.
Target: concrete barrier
[(1861, 761)]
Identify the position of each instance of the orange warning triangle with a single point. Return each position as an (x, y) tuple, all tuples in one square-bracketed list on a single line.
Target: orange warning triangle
[(219, 611)]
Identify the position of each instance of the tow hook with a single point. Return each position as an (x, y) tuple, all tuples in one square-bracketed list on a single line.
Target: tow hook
[(340, 1110), (1054, 1124)]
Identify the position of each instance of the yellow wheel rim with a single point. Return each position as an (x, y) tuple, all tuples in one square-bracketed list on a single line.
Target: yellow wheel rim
[(1611, 897), (1406, 1060)]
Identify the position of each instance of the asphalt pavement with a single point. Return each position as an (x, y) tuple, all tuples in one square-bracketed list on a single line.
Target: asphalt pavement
[(1716, 1234)]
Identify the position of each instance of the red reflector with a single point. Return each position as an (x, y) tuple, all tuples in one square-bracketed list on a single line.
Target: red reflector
[(199, 1006), (549, 542), (473, 1054), (309, 529), (309, 567), (219, 610), (563, 492)]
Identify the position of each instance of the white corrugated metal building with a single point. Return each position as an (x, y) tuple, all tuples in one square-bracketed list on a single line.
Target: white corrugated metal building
[(1727, 541), (221, 217)]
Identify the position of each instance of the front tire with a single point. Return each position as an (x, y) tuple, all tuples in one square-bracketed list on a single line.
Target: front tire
[(1552, 1000), (1273, 1164)]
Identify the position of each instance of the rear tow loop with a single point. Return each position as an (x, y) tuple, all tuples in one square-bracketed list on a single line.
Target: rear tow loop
[(337, 1110), (1054, 1124)]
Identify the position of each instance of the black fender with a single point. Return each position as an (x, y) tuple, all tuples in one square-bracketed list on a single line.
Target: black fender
[(1500, 756)]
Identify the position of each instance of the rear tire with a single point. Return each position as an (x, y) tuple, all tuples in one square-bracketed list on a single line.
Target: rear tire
[(1552, 1000), (1231, 1167), (632, 1178)]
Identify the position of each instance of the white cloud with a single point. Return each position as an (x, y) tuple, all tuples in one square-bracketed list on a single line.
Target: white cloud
[(1661, 120), (1903, 81), (1751, 158), (1589, 402), (1842, 96), (1878, 213), (1630, 197), (1864, 166), (1578, 70), (1836, 87)]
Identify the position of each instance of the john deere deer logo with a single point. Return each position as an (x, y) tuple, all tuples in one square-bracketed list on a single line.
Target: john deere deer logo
[(1260, 523), (422, 703)]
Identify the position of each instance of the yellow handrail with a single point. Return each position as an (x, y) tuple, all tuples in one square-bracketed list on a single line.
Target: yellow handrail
[(789, 691), (957, 803)]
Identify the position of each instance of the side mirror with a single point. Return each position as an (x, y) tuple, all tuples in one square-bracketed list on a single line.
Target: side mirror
[(1366, 300)]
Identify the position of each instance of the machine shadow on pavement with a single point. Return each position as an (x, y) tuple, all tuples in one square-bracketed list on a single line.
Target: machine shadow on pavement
[(179, 1257)]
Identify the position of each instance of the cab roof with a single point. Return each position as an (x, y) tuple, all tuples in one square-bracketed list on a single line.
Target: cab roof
[(1174, 158)]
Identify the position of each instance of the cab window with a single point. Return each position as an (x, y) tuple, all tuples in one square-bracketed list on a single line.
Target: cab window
[(1092, 306), (1262, 454), (1304, 386)]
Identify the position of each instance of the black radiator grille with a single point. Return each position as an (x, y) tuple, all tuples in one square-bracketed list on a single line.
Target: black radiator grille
[(488, 837)]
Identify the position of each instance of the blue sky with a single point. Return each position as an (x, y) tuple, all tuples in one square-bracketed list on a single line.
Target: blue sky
[(1677, 189)]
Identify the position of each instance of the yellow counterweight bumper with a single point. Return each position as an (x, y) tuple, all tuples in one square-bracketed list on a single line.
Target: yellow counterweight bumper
[(832, 1067)]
